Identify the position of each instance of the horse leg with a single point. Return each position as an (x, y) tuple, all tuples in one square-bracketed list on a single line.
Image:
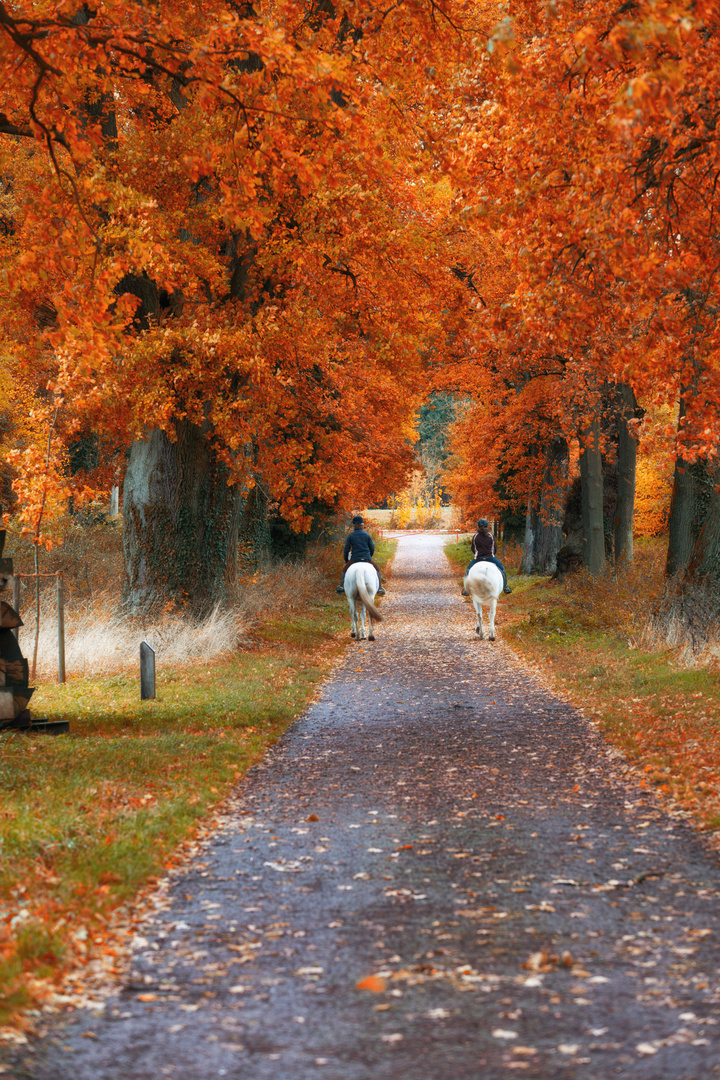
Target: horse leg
[(362, 620), (371, 635), (478, 617), (491, 617), (353, 617)]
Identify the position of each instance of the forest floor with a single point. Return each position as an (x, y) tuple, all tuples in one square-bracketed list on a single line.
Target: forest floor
[(589, 640), (442, 870)]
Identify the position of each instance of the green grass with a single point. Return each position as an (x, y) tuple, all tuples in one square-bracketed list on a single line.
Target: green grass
[(87, 819)]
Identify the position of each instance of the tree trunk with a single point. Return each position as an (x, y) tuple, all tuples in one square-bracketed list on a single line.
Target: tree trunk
[(591, 482), (549, 533), (543, 524), (181, 523), (691, 494), (527, 563), (704, 564), (627, 463)]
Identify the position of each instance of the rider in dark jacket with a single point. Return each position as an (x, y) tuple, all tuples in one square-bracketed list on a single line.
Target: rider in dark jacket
[(359, 547), (483, 549)]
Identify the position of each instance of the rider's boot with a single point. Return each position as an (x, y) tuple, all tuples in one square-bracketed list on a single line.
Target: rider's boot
[(380, 590), (341, 587), (506, 587), (464, 590)]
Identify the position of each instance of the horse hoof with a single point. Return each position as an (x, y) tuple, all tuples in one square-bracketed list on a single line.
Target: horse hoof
[(352, 634), (491, 638), (371, 637)]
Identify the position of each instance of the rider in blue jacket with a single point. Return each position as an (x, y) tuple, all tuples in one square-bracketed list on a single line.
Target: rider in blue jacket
[(359, 547), (483, 549)]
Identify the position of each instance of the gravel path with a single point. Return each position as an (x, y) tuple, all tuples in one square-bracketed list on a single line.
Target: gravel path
[(441, 828)]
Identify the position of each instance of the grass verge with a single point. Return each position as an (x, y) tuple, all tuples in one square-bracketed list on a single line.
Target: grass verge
[(585, 637), (88, 819)]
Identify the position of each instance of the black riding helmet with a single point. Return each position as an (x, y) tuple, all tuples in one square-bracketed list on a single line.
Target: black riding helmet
[(357, 520), (483, 523)]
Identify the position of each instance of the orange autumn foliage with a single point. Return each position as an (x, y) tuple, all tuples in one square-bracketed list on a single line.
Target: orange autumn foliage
[(584, 146), (217, 215), (287, 224)]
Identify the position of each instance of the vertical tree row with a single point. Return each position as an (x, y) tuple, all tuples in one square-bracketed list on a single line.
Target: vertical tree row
[(586, 150)]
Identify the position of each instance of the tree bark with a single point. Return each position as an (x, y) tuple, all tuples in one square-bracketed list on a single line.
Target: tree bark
[(543, 523), (690, 611), (704, 564), (691, 494), (591, 482), (181, 523), (549, 534), (627, 465), (527, 563)]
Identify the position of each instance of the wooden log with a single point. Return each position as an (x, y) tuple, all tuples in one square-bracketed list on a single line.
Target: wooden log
[(7, 703), (9, 618), (14, 671)]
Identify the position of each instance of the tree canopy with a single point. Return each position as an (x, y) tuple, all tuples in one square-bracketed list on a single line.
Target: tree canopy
[(287, 224)]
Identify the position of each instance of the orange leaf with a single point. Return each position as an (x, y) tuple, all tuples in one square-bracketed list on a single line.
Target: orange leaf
[(374, 983)]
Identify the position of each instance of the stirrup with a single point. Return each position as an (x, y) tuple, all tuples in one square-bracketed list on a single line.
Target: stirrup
[(507, 589), (340, 589), (380, 592)]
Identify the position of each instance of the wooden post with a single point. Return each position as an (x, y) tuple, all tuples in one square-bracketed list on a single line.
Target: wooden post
[(16, 602), (147, 671), (61, 629)]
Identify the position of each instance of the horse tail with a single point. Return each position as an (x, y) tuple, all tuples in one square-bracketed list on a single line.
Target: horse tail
[(365, 597)]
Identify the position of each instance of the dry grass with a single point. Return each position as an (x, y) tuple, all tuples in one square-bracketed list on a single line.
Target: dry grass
[(101, 640), (621, 601)]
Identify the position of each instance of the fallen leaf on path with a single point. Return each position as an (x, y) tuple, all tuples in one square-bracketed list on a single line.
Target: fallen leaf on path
[(374, 983)]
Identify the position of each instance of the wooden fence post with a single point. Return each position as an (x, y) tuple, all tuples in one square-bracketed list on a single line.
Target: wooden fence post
[(61, 629), (16, 602), (147, 671)]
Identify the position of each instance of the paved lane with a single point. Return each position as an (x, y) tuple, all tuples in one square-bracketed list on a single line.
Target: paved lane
[(440, 825)]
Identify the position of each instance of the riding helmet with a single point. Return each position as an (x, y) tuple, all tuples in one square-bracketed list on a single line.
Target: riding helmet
[(483, 523), (357, 520)]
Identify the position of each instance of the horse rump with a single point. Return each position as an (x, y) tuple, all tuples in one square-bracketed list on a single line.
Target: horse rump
[(367, 602)]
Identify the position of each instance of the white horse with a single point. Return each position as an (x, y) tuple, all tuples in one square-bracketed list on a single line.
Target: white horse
[(361, 584), (485, 584)]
